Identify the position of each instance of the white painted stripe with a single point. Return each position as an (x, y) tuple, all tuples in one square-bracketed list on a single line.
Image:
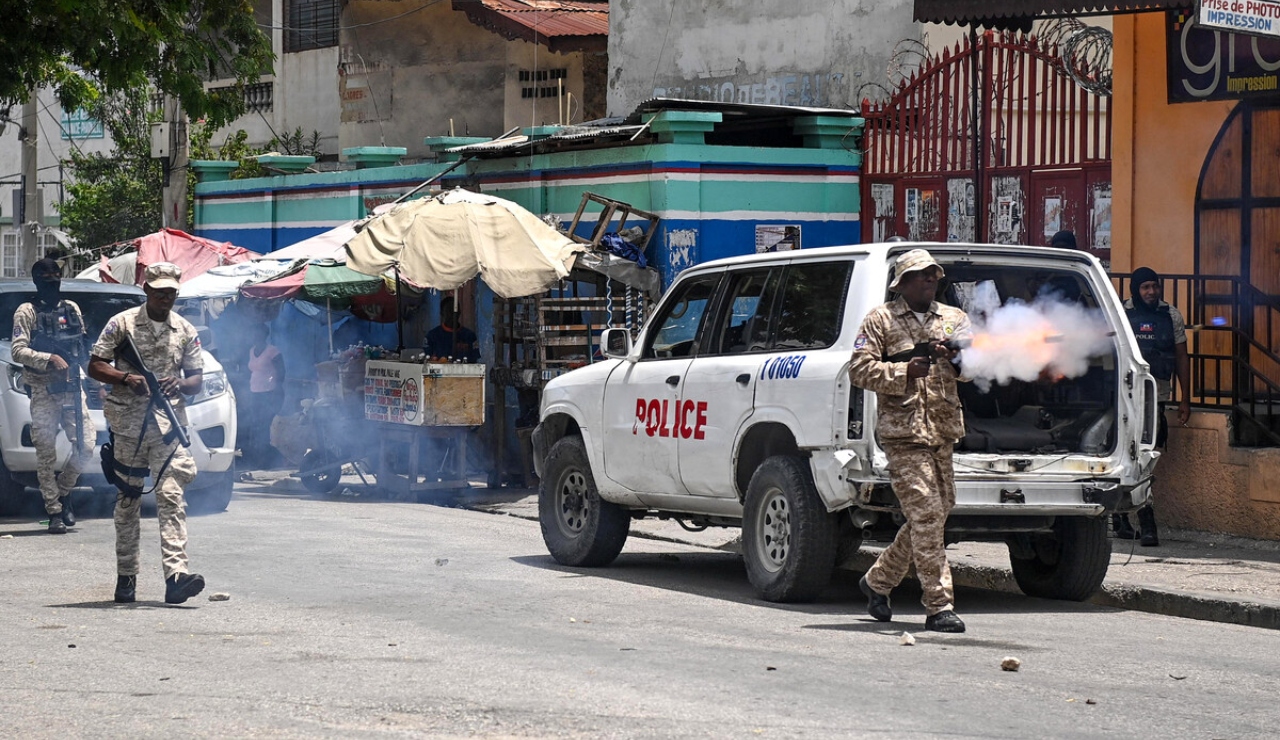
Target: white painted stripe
[(837, 178), (326, 225), (567, 218)]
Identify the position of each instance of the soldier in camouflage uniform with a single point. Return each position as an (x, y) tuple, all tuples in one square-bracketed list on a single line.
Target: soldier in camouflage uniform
[(170, 348), (48, 339), (918, 421)]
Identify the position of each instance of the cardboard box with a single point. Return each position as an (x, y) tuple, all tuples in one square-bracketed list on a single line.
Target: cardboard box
[(424, 395)]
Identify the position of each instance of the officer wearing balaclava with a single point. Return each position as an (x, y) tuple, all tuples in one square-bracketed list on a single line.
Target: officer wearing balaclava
[(49, 342), (1162, 337)]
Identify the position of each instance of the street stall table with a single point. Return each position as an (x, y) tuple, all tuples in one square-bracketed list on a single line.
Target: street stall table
[(425, 414)]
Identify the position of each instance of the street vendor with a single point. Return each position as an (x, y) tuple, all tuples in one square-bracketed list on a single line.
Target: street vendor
[(450, 339)]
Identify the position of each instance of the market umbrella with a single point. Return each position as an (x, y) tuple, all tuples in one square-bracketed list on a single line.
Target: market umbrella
[(326, 282), (443, 242)]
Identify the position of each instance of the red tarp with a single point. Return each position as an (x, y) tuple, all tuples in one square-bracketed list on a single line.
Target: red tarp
[(194, 254)]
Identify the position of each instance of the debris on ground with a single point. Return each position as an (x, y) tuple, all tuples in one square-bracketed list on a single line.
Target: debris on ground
[(6, 536), (1010, 663), (907, 639), (219, 596), (1090, 701), (442, 561)]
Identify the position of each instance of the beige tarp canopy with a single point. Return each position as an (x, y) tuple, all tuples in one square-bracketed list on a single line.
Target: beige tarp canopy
[(443, 242)]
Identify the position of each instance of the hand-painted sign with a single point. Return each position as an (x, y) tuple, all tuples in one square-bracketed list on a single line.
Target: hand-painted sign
[(1210, 64), (1244, 16), (681, 418)]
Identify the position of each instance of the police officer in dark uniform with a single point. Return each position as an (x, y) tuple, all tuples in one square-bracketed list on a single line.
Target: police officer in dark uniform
[(1162, 337), (49, 341)]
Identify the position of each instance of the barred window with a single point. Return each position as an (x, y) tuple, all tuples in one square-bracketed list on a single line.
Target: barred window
[(311, 24)]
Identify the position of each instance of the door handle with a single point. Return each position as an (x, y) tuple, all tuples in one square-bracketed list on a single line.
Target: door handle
[(673, 380), (744, 378)]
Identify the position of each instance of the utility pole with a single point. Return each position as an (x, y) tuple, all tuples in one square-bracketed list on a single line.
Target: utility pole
[(30, 178), (174, 194)]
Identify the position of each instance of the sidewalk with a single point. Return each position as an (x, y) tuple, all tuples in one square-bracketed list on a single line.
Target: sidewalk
[(1196, 575)]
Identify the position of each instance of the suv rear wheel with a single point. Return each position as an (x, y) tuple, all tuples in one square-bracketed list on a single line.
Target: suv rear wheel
[(1068, 564), (788, 538), (579, 527)]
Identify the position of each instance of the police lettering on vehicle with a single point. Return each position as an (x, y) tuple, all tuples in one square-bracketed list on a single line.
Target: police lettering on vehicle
[(782, 368), (680, 418)]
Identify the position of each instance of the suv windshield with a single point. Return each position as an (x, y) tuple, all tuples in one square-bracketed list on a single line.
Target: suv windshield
[(97, 306)]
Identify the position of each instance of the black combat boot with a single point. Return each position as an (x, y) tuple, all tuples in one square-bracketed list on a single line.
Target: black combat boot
[(946, 621), (181, 586), (877, 604), (1147, 525), (68, 516), (1123, 529), (56, 525), (126, 589)]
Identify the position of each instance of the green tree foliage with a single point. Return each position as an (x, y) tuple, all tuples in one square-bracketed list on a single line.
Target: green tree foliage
[(80, 47), (115, 197)]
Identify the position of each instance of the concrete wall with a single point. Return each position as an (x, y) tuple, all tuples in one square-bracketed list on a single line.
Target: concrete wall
[(539, 111), (305, 92), (1205, 484), (403, 80), (1154, 194), (804, 52)]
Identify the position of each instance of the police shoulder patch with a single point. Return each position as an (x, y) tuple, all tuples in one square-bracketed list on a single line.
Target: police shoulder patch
[(860, 342), (948, 328)]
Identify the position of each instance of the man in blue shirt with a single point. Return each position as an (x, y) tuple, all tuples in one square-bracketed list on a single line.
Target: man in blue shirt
[(451, 339)]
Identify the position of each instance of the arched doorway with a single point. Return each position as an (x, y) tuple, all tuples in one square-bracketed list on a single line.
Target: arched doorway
[(1238, 239)]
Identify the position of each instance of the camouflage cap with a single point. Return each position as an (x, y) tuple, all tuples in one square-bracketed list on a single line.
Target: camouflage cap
[(916, 259), (162, 275)]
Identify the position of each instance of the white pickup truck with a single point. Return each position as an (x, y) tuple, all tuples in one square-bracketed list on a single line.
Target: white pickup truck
[(211, 414), (733, 408)]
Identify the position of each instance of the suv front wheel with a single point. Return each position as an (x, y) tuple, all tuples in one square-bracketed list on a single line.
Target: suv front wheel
[(579, 527), (788, 538)]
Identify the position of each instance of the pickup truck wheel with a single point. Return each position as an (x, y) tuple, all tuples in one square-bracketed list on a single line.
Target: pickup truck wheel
[(579, 527), (1068, 564), (788, 538)]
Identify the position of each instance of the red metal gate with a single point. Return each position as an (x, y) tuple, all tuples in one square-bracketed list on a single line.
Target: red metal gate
[(1045, 146)]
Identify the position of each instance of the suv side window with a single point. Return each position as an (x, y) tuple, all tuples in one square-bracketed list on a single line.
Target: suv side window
[(812, 305), (744, 322), (677, 327)]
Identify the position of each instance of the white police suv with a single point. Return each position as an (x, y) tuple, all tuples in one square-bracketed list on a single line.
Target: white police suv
[(733, 408), (211, 414)]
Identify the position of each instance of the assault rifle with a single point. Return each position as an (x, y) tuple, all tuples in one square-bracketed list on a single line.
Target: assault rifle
[(925, 349), (159, 401)]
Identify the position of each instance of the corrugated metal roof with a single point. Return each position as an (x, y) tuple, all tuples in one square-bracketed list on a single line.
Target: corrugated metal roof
[(568, 24), (566, 133), (982, 12)]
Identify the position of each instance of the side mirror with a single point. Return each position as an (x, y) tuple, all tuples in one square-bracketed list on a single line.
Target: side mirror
[(615, 343)]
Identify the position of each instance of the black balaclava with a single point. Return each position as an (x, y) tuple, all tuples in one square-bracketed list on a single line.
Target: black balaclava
[(1140, 276), (47, 275)]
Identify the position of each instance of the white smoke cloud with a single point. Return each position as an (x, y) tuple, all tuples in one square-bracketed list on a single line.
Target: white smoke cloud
[(1027, 341)]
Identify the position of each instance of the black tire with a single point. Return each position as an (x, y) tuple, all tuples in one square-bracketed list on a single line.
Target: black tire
[(788, 537), (1068, 564), (318, 473), (580, 528), (213, 499), (13, 495)]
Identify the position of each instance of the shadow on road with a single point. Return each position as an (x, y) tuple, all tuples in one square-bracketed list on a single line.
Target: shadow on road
[(721, 576), (114, 605)]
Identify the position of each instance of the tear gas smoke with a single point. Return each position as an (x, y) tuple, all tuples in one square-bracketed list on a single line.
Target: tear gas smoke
[(1026, 341)]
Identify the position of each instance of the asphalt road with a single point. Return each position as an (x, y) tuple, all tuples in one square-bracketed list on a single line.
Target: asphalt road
[(372, 618)]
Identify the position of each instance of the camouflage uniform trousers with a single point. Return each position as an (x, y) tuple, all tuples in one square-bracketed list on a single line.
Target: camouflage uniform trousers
[(47, 414), (171, 507), (924, 482)]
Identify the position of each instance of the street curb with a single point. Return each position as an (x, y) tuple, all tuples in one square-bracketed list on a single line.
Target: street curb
[(1168, 603)]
